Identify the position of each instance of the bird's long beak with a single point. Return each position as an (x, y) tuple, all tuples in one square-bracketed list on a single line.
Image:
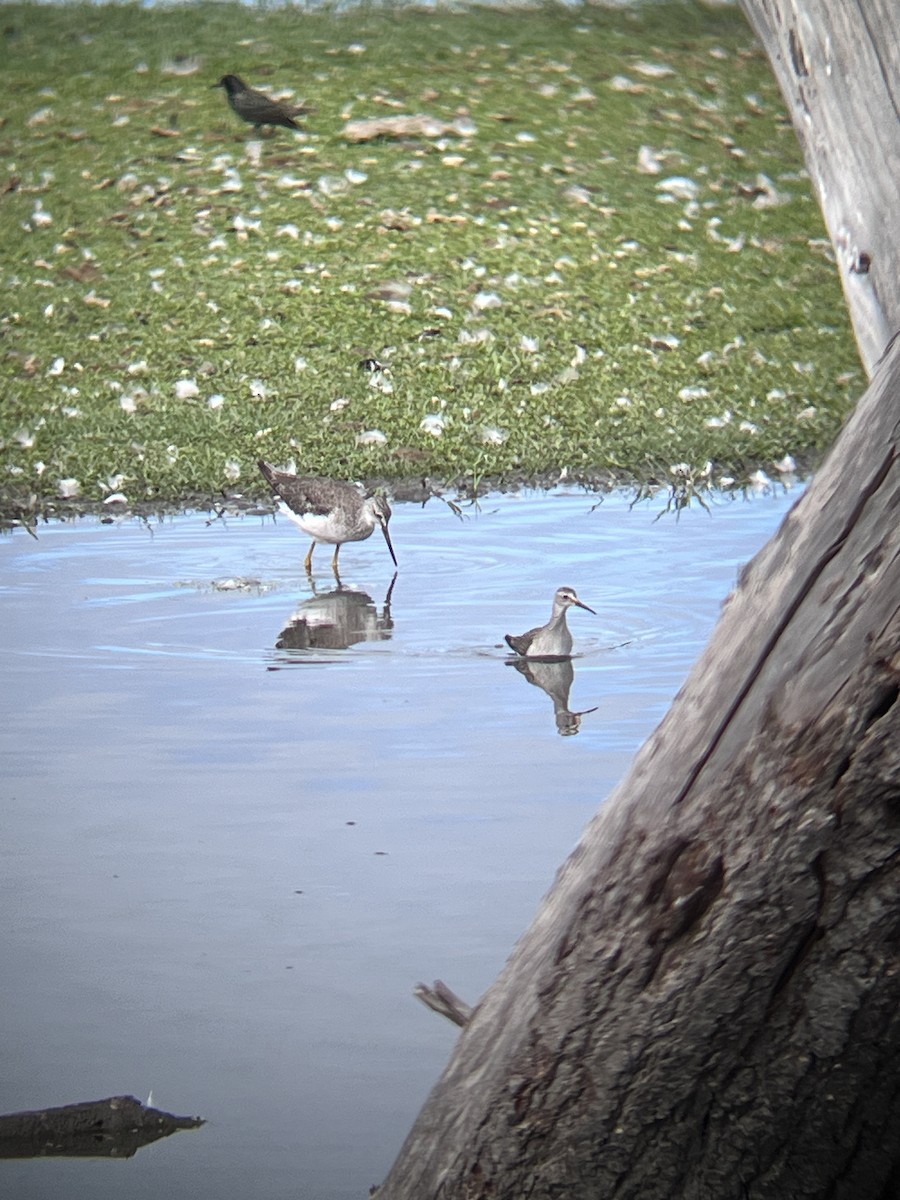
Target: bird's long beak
[(584, 606), (387, 538)]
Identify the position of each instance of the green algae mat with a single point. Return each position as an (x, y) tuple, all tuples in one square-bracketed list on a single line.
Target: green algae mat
[(503, 245)]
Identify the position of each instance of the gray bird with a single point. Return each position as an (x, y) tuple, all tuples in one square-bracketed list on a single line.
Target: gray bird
[(553, 640), (328, 510), (257, 108)]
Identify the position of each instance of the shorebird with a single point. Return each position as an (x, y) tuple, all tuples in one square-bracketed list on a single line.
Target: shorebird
[(553, 640), (257, 108), (328, 510)]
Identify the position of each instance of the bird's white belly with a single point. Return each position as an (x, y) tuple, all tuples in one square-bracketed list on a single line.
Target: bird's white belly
[(333, 528)]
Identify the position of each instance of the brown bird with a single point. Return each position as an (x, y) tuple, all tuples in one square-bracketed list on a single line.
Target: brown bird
[(256, 108), (553, 640), (328, 510)]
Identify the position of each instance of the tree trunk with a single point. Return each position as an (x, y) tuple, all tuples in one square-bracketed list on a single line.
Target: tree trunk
[(707, 1004), (837, 63)]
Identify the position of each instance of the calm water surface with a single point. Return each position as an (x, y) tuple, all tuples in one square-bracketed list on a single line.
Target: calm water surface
[(226, 864)]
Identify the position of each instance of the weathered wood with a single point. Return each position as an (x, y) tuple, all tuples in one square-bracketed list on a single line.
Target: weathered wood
[(113, 1128), (442, 1000), (707, 1004), (837, 63)]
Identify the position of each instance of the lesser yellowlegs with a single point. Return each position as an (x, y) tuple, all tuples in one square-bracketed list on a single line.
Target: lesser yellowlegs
[(257, 108), (328, 510), (553, 640)]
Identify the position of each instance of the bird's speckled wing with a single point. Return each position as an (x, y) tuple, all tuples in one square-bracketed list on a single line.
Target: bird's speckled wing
[(310, 494), (522, 642)]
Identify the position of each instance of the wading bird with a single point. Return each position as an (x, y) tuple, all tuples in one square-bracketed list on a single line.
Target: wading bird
[(552, 640), (328, 510)]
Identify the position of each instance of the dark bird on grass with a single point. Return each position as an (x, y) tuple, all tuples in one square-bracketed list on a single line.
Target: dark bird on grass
[(553, 640), (256, 108), (328, 510)]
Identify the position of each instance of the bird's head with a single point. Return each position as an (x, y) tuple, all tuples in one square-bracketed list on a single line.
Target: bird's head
[(566, 597), (381, 511), (231, 84)]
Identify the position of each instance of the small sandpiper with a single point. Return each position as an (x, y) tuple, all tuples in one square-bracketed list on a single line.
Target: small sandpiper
[(553, 640), (328, 510)]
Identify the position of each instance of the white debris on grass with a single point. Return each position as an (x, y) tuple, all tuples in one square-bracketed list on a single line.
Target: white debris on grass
[(622, 83), (371, 437), (653, 70), (492, 436), (475, 337), (648, 161), (486, 300), (433, 424), (186, 389), (231, 181), (680, 187)]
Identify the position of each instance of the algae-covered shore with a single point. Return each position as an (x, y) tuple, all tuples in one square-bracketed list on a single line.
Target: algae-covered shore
[(601, 255)]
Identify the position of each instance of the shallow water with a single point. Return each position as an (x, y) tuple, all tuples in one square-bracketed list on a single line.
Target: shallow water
[(226, 865)]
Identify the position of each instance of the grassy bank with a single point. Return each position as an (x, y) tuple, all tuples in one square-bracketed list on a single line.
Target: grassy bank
[(182, 297)]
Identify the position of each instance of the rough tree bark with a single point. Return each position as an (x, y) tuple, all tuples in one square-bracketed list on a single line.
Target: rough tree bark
[(837, 63), (707, 1005)]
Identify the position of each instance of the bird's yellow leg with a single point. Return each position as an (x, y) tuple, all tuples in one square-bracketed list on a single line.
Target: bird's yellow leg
[(334, 561), (307, 562)]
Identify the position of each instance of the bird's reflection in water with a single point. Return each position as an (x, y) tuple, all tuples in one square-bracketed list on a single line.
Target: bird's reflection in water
[(337, 619), (554, 678)]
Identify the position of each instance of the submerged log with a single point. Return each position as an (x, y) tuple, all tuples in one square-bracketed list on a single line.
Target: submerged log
[(837, 63), (113, 1128), (707, 1004)]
